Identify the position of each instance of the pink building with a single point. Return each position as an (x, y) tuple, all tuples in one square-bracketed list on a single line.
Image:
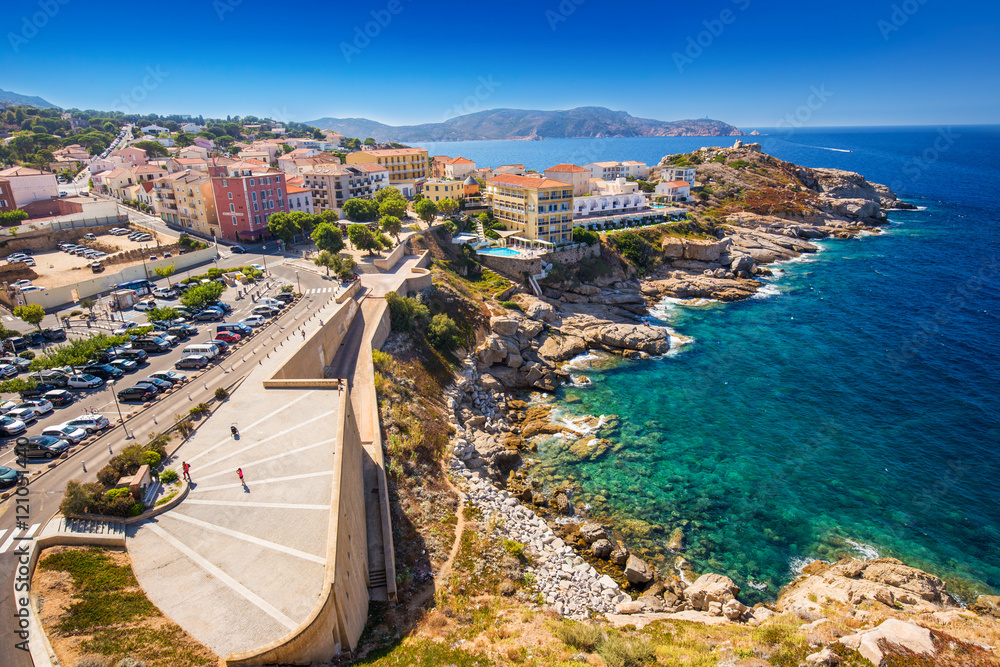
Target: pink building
[(246, 194)]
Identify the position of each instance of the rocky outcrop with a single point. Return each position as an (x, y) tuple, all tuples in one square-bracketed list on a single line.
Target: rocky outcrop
[(711, 589), (883, 580), (909, 636), (637, 571)]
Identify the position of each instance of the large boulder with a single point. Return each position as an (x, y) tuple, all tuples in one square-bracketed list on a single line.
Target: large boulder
[(492, 351), (592, 532), (641, 338), (637, 571), (560, 348), (709, 588), (563, 506), (541, 311), (602, 549), (910, 636), (988, 605), (705, 251), (505, 326), (742, 263), (672, 247)]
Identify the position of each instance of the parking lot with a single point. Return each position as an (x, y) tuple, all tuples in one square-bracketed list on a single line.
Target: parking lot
[(56, 268), (101, 400)]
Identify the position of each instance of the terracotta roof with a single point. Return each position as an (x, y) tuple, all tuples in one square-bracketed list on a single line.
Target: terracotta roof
[(146, 185), (301, 152), (459, 160), (605, 164), (190, 160), (388, 152), (567, 168), (526, 181), (147, 169), (294, 189), (22, 171), (634, 162), (370, 166), (678, 184)]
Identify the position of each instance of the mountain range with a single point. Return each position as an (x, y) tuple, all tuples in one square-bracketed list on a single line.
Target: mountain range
[(8, 97), (520, 124)]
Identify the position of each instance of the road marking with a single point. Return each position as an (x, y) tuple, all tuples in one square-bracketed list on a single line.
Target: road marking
[(247, 428), (247, 538), (31, 531), (273, 480), (237, 503), (260, 461), (3, 532), (217, 572), (13, 536)]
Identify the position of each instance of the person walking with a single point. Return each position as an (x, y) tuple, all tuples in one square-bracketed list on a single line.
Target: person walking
[(187, 471), (239, 471)]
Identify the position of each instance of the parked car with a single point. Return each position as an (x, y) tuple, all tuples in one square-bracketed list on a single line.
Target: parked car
[(10, 426), (9, 477), (221, 344), (265, 311), (84, 381), (160, 384), (124, 327), (238, 249), (16, 344), (20, 363), (124, 365), (53, 377), (18, 284), (145, 305), (6, 406), (90, 423), (26, 415), (36, 338), (39, 389), (58, 397), (140, 393), (193, 361), (164, 293), (54, 334), (103, 371), (96, 267), (90, 237), (39, 405), (208, 315), (42, 446), (71, 434), (228, 337), (7, 370), (173, 377), (284, 298), (254, 321)]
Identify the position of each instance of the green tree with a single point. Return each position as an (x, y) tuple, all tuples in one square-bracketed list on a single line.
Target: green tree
[(283, 227), (405, 313), (327, 236), (394, 206), (325, 259), (390, 224), (447, 206), (370, 141), (344, 268), (304, 221), (152, 148), (363, 238), (165, 272), (388, 193), (427, 210), (31, 313), (360, 210), (443, 333), (14, 217), (183, 139), (162, 314), (89, 305), (202, 295)]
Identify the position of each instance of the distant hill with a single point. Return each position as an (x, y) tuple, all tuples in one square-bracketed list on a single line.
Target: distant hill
[(8, 97), (509, 124)]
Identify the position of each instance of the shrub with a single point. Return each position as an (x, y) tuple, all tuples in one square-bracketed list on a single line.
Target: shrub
[(117, 493), (169, 476), (198, 410), (443, 333), (151, 459), (286, 289), (130, 662), (635, 249), (135, 509), (221, 394), (514, 548), (94, 660), (620, 651), (406, 313), (382, 360), (27, 354), (184, 427), (579, 636), (739, 164), (511, 305), (581, 235)]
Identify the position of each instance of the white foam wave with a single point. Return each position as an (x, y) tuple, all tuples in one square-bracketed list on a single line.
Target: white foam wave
[(767, 291), (798, 563), (586, 361), (757, 585), (824, 148), (866, 550), (578, 426)]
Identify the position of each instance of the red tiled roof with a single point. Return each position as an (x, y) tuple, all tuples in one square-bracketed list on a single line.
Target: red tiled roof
[(567, 168), (678, 184), (526, 181), (459, 160), (293, 189)]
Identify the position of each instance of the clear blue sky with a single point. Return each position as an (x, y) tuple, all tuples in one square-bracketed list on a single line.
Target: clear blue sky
[(239, 57)]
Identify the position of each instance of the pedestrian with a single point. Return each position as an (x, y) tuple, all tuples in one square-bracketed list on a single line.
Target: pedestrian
[(303, 335), (187, 471), (239, 471)]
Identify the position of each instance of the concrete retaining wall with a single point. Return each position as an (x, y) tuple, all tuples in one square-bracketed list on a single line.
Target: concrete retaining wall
[(385, 264), (336, 623), (103, 282), (514, 268), (317, 351)]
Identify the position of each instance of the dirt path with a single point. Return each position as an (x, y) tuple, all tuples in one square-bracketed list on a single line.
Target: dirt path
[(442, 576)]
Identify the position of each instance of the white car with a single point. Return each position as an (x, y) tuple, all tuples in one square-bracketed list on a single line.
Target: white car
[(7, 406), (71, 434), (26, 415), (145, 305), (7, 371), (164, 293), (84, 381), (257, 266), (254, 321), (18, 284), (89, 423), (124, 327), (39, 405)]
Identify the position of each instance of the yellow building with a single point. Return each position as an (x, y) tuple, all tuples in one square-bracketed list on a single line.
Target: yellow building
[(186, 199), (539, 209), (437, 190), (573, 175), (404, 164)]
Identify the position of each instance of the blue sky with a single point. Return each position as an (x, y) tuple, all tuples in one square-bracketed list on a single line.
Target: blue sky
[(747, 62)]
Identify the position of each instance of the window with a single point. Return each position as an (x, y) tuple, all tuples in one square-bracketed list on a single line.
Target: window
[(253, 195), (225, 183), (230, 195), (256, 219), (279, 192), (277, 179), (251, 182), (232, 208)]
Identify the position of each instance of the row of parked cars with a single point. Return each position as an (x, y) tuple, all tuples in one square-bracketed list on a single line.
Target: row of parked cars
[(52, 443), (16, 344)]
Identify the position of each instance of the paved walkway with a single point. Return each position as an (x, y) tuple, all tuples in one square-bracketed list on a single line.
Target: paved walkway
[(240, 565)]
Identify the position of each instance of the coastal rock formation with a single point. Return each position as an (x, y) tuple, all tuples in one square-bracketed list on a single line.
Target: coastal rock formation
[(909, 636), (637, 571), (711, 589), (850, 581)]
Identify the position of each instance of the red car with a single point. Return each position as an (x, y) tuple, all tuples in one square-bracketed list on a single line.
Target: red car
[(228, 337)]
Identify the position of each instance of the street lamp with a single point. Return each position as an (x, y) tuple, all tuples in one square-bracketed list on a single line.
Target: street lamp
[(299, 283), (144, 269), (111, 384), (263, 249)]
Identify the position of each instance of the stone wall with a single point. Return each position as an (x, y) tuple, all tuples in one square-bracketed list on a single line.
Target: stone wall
[(317, 352), (42, 241), (514, 268)]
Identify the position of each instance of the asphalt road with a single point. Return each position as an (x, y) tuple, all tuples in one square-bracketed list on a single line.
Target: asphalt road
[(45, 492)]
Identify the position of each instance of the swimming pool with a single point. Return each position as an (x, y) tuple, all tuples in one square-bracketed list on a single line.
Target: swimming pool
[(500, 252)]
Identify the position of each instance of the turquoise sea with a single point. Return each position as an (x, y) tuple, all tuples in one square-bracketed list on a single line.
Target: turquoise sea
[(851, 408)]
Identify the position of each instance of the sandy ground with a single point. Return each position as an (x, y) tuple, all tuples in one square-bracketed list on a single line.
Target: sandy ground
[(56, 268)]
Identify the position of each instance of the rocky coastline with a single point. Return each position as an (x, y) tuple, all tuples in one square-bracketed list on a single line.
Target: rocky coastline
[(581, 567)]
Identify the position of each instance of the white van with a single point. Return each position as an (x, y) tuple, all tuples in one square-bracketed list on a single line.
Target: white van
[(205, 349)]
